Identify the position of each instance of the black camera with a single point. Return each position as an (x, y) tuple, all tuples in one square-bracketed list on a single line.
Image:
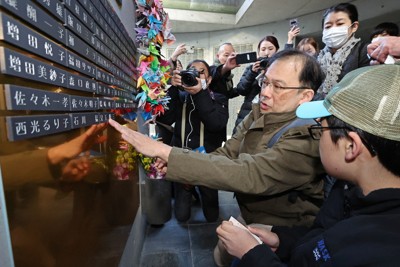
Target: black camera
[(263, 62), (188, 77)]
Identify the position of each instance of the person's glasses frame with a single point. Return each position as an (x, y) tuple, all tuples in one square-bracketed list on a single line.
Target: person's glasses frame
[(263, 83), (316, 130)]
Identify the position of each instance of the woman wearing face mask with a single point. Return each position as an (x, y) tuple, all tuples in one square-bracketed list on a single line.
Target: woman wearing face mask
[(200, 116), (343, 52), (248, 85)]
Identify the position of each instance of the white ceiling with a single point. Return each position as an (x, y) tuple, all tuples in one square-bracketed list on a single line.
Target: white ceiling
[(250, 12)]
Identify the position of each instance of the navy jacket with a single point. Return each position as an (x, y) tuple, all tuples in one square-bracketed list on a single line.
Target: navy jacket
[(350, 230)]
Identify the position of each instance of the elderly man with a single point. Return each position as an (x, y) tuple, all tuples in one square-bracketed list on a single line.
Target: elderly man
[(275, 184), (225, 62)]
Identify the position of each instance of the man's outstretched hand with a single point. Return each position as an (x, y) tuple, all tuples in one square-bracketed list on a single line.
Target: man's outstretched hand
[(142, 143)]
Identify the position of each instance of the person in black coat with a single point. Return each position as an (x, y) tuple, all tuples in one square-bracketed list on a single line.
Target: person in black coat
[(200, 117), (360, 145)]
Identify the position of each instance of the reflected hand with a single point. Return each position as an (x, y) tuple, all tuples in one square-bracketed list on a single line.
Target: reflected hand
[(79, 144), (75, 169), (142, 143), (160, 165), (236, 240)]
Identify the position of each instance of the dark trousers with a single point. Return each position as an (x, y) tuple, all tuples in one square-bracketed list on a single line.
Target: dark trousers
[(183, 202)]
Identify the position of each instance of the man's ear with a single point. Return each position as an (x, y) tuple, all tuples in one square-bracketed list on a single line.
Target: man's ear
[(353, 145), (307, 96)]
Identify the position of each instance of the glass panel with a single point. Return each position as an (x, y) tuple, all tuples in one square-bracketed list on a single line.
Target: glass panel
[(53, 223), (218, 6)]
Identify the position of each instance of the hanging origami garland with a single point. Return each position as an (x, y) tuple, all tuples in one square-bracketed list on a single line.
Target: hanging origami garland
[(152, 28)]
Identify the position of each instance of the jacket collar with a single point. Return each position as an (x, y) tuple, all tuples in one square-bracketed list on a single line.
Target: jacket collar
[(278, 119), (377, 201)]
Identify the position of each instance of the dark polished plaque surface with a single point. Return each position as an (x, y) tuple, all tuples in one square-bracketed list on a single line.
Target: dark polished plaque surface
[(65, 66), (78, 46)]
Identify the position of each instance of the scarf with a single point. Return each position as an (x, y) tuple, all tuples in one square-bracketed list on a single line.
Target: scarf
[(332, 64)]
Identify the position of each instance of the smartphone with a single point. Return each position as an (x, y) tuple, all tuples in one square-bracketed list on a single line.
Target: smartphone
[(190, 50), (246, 58), (294, 23)]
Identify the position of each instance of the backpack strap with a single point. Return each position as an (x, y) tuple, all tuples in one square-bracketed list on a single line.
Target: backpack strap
[(296, 123), (295, 194)]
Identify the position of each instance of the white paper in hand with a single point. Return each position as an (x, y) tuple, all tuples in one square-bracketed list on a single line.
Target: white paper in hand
[(238, 224)]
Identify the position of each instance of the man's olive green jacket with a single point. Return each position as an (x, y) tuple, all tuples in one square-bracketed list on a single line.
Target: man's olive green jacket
[(278, 186)]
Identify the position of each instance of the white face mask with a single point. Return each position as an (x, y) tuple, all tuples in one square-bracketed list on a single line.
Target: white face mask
[(335, 37), (203, 84)]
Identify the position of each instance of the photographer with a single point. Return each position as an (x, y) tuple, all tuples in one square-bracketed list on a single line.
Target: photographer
[(248, 85), (200, 118)]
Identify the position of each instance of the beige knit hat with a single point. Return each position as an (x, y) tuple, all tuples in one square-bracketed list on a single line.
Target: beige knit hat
[(367, 98)]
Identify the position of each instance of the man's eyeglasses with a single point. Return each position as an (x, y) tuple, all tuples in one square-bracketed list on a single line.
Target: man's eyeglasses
[(316, 131), (263, 83)]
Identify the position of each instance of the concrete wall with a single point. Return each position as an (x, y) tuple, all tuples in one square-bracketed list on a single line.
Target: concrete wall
[(371, 13)]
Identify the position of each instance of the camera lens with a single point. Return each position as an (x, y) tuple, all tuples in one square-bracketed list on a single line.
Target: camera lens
[(263, 62), (188, 77)]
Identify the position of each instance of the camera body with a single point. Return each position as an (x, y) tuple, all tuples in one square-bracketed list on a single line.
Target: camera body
[(188, 77), (263, 62)]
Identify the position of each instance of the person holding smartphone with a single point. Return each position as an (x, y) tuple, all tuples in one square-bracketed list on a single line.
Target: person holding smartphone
[(307, 45), (248, 85), (292, 33)]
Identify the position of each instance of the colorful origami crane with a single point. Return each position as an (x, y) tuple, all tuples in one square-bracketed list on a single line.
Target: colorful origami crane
[(152, 30)]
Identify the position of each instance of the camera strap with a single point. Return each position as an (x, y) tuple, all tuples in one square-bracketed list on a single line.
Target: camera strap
[(183, 128)]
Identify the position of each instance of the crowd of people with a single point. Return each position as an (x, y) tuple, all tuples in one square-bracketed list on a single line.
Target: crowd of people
[(307, 113)]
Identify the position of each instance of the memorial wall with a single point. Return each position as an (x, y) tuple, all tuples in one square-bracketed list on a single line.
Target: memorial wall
[(66, 67), (81, 51)]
